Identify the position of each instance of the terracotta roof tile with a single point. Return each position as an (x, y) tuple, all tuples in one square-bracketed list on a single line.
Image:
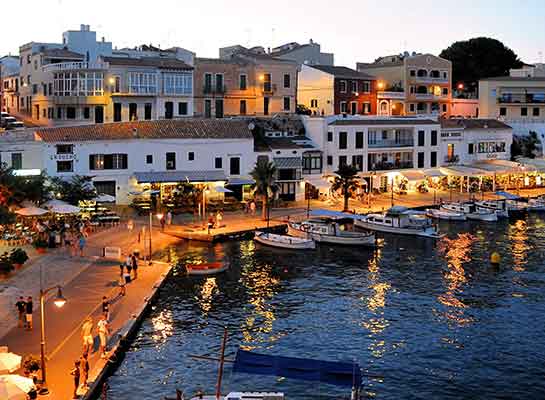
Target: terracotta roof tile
[(158, 62)]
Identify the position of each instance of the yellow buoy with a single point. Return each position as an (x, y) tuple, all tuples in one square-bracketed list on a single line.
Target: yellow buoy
[(495, 258)]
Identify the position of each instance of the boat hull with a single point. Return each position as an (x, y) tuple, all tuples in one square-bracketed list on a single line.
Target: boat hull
[(487, 217), (206, 269), (363, 240), (284, 242), (446, 215), (428, 232)]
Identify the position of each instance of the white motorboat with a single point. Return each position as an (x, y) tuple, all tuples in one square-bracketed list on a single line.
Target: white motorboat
[(284, 241), (244, 396), (332, 231), (536, 205), (497, 206), (470, 211), (445, 215), (400, 220)]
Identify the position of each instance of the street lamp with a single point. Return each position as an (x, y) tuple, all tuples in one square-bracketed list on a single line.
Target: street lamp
[(159, 216), (59, 301)]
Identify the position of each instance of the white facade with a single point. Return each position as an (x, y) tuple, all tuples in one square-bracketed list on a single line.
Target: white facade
[(19, 150)]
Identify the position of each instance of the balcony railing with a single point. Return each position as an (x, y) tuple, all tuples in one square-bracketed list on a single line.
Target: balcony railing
[(74, 66), (268, 87), (452, 159), (208, 89), (386, 165), (392, 143), (430, 79), (391, 95), (522, 98)]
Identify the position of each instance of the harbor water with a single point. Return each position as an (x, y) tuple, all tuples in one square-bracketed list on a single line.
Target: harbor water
[(423, 318)]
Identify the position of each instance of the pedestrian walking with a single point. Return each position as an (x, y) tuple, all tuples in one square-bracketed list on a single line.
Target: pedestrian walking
[(128, 265), (106, 307), (130, 225), (162, 221), (121, 269), (103, 332), (81, 243), (252, 207), (28, 313), (76, 374), (84, 372), (21, 308), (122, 289), (169, 218), (134, 264), (87, 335), (219, 218)]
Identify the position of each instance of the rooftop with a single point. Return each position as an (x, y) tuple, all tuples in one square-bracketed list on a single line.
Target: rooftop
[(516, 79), (193, 128), (158, 62), (62, 53), (383, 121), (471, 123), (342, 72)]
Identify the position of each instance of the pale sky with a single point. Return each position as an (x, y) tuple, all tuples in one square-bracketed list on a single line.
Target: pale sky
[(355, 30)]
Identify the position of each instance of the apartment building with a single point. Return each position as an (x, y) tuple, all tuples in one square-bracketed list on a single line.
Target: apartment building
[(9, 83), (528, 71), (411, 84), (303, 54), (244, 83), (332, 90)]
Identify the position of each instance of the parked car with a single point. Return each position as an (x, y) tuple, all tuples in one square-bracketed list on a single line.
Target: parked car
[(7, 120), (4, 114), (15, 126)]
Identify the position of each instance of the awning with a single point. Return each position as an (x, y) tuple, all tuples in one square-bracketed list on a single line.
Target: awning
[(240, 181), (180, 176), (537, 163), (288, 162), (433, 173), (318, 182), (413, 176), (504, 167), (463, 170)]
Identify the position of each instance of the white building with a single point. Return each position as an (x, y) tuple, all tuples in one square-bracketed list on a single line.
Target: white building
[(19, 150), (132, 157)]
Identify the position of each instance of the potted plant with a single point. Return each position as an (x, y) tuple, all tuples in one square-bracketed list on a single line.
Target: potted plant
[(6, 266), (40, 245), (18, 257), (31, 365)]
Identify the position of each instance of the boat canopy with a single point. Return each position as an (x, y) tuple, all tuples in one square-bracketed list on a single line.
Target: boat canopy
[(507, 195), (334, 373)]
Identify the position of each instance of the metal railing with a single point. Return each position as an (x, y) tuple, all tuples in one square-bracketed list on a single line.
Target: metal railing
[(522, 99), (386, 166), (391, 143), (213, 89), (74, 66)]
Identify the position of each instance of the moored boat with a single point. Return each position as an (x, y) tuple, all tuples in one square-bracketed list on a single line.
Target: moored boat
[(445, 215), (400, 220), (284, 241), (206, 268), (537, 204), (471, 211), (497, 206), (331, 231)]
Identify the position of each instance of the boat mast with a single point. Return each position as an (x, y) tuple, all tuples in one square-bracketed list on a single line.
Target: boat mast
[(222, 361)]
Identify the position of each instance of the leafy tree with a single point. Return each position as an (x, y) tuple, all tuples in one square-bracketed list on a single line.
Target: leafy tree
[(264, 174), (6, 216), (346, 181), (74, 190), (479, 58), (524, 146)]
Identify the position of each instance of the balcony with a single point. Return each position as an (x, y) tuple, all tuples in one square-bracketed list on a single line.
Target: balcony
[(391, 95), (211, 90), (424, 96), (455, 159), (67, 66), (430, 79), (268, 88), (536, 98), (387, 166), (409, 142)]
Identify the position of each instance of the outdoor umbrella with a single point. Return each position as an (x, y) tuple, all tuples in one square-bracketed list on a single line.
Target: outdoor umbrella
[(31, 211), (9, 362), (64, 209), (54, 202), (104, 198), (15, 387)]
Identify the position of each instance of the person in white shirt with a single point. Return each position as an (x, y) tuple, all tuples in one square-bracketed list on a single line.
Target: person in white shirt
[(103, 332)]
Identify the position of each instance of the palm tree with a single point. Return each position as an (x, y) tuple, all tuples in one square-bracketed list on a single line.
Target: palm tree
[(346, 181), (264, 174)]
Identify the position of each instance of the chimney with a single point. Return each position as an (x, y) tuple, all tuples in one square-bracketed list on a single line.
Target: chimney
[(82, 27), (268, 50), (103, 39)]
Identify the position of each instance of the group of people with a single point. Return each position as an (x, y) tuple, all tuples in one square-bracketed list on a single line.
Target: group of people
[(166, 220), (24, 311), (250, 207), (62, 233), (215, 220), (128, 271)]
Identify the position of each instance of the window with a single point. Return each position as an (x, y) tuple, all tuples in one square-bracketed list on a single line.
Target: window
[(117, 112), (16, 160), (207, 83), (286, 103), (242, 107), (208, 108), (329, 160), (177, 83), (219, 83), (108, 161), (342, 161), (523, 111), (445, 74), (171, 161), (182, 108), (421, 138), (535, 112), (86, 113), (65, 148), (70, 112), (353, 107), (190, 156), (314, 103), (169, 109), (218, 162), (491, 147), (267, 86), (329, 136), (312, 163), (503, 111), (420, 160), (411, 107), (412, 72), (234, 166), (287, 81), (342, 140), (219, 108), (366, 87), (147, 111), (50, 89), (133, 112), (142, 82), (357, 161), (243, 82), (34, 89), (343, 107), (59, 112), (433, 159), (354, 86), (65, 166), (434, 138), (366, 108), (78, 84), (342, 86), (444, 108), (149, 159), (359, 140), (445, 91), (117, 84)]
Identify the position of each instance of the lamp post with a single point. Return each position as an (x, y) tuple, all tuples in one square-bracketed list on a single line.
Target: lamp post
[(308, 199), (59, 301), (150, 227)]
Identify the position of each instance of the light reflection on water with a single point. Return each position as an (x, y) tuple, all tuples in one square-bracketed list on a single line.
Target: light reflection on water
[(431, 319)]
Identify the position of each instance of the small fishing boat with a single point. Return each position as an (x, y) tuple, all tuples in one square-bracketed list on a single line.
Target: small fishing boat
[(400, 220), (331, 231), (445, 215), (284, 241), (206, 268), (497, 206), (536, 205), (470, 210)]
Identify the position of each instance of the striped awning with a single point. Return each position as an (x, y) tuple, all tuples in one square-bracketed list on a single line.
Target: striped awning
[(288, 162), (180, 176)]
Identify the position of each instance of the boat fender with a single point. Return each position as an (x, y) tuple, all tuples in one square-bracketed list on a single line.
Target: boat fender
[(495, 258)]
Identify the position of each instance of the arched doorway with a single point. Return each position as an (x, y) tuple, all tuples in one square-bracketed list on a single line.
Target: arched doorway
[(384, 107)]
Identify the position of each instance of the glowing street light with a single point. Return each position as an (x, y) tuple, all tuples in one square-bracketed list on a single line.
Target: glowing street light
[(380, 85), (460, 86)]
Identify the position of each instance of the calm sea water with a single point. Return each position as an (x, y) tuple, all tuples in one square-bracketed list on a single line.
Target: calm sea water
[(424, 319)]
